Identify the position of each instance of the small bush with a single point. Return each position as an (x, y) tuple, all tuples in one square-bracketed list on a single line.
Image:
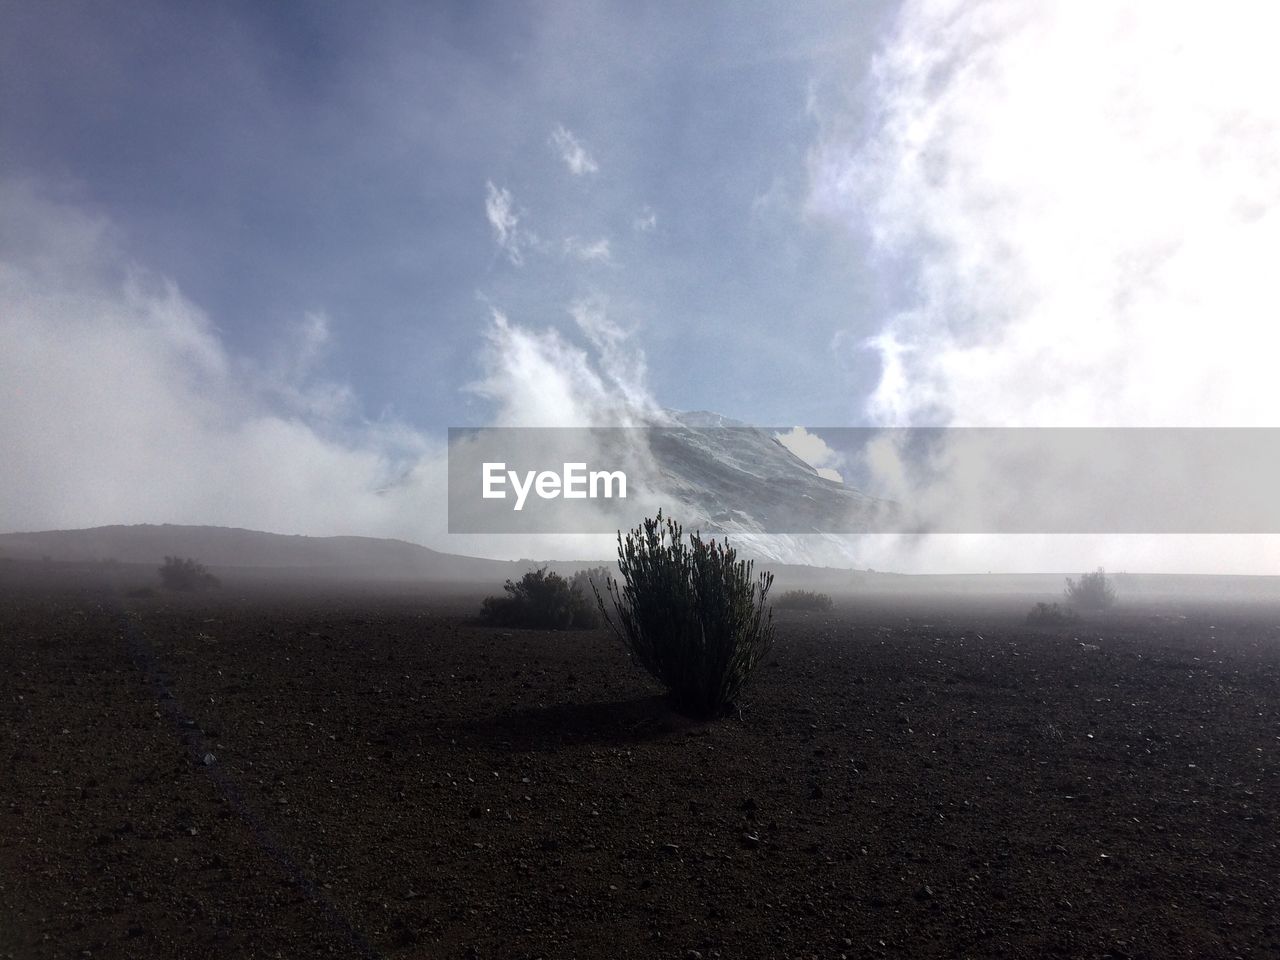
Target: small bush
[(1093, 591), (588, 583), (186, 574), (803, 600), (1050, 615), (541, 601), (690, 613)]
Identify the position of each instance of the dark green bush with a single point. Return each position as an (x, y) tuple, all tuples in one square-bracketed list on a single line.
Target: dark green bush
[(1050, 615), (690, 613), (183, 573), (1093, 591), (542, 601), (803, 600)]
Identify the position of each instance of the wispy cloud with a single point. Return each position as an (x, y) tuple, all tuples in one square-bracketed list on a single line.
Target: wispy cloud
[(500, 209), (645, 221), (541, 378), (573, 152), (597, 251)]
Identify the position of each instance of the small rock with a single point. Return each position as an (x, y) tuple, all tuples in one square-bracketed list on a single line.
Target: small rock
[(925, 893), (210, 759)]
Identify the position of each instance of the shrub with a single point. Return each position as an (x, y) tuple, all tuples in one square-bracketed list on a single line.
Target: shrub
[(1091, 592), (588, 583), (542, 601), (690, 613), (1050, 615), (186, 574), (803, 600)]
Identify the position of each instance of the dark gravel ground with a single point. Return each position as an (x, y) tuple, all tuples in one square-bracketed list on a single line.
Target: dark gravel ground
[(370, 773)]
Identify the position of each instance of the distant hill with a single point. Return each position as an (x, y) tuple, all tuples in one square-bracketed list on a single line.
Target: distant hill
[(356, 558), (254, 552), (359, 557)]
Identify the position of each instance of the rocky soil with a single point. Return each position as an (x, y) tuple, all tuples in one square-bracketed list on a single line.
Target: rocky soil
[(373, 774)]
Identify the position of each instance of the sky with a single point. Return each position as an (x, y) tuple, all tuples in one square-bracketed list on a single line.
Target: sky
[(255, 259)]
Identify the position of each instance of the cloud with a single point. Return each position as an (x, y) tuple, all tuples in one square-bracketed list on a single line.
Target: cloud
[(1084, 201), (813, 450), (1091, 244), (292, 374), (595, 252), (499, 208), (573, 152), (121, 405), (646, 221), (538, 378)]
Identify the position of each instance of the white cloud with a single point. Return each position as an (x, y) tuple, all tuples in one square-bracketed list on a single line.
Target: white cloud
[(813, 450), (573, 152), (538, 378), (646, 221), (499, 208), (1089, 196), (292, 376), (121, 404), (595, 252)]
